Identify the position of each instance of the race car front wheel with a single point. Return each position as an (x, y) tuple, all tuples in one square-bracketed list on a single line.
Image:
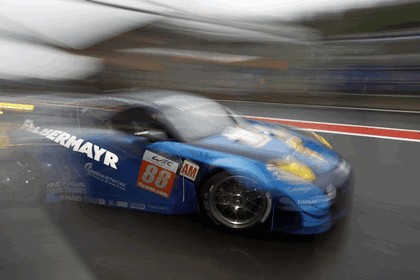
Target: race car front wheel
[(234, 201)]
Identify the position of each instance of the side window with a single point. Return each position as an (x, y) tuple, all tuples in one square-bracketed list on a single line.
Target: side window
[(94, 117), (135, 120), (54, 116)]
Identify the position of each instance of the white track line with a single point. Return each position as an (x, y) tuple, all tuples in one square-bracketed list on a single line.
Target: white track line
[(324, 107)]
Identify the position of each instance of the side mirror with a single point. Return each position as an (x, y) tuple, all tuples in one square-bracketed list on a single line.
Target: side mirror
[(153, 135)]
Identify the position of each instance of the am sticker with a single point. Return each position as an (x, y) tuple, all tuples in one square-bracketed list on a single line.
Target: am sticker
[(189, 170)]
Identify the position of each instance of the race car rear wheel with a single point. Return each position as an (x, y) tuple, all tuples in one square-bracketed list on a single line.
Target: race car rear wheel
[(20, 180), (234, 201)]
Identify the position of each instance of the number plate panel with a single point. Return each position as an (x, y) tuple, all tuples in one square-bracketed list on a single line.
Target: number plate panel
[(157, 174)]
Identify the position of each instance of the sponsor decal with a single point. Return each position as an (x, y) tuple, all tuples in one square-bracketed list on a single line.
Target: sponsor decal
[(104, 178), (157, 207), (90, 199), (307, 201), (189, 170), (67, 187), (136, 205), (157, 174), (247, 137), (298, 189), (76, 144), (70, 197), (331, 191), (292, 141), (66, 172), (123, 204), (279, 175), (101, 201)]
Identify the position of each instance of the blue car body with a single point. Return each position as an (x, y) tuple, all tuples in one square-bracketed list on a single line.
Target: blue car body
[(115, 168)]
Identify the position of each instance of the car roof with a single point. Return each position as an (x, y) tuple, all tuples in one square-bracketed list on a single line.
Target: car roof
[(159, 99)]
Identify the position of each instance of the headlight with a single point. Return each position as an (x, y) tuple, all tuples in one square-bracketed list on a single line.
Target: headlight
[(291, 170), (322, 140)]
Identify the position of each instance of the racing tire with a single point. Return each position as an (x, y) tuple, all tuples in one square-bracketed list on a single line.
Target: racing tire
[(234, 202), (20, 181)]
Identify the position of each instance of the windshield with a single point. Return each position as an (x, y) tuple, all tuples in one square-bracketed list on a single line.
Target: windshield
[(198, 118)]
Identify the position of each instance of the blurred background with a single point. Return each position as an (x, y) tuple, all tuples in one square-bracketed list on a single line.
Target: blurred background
[(355, 63), (362, 53)]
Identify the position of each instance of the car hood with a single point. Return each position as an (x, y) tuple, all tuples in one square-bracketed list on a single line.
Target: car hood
[(266, 143)]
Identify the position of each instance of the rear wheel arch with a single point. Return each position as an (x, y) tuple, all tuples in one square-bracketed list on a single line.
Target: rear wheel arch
[(22, 176)]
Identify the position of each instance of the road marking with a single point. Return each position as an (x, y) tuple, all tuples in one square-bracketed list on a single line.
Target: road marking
[(376, 39), (348, 129), (324, 106)]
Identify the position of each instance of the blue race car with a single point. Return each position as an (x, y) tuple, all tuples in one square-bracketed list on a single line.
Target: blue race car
[(175, 153)]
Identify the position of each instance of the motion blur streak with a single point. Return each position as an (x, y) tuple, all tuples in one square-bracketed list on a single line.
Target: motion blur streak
[(16, 107), (361, 130)]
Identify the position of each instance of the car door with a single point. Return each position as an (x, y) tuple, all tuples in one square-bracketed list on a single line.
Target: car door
[(142, 174)]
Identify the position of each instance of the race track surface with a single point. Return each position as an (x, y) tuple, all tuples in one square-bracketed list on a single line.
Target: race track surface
[(380, 240)]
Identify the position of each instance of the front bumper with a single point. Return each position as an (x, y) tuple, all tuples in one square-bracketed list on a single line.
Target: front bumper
[(295, 221)]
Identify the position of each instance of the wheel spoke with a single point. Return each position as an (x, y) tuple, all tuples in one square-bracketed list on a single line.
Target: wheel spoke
[(230, 215), (224, 208), (255, 198), (221, 195), (222, 203), (249, 210), (236, 215), (252, 203), (245, 210)]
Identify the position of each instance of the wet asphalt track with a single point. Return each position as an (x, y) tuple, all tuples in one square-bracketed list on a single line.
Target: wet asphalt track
[(381, 239)]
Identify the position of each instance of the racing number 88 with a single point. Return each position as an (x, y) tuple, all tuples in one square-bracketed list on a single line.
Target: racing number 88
[(162, 179)]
